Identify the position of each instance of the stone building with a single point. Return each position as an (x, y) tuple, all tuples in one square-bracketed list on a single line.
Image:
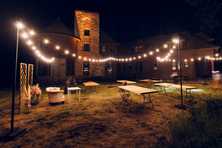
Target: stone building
[(87, 40), (84, 40)]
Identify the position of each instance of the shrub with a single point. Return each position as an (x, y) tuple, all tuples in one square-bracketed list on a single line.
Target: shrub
[(203, 129)]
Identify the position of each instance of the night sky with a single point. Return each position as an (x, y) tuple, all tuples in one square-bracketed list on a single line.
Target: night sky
[(123, 20)]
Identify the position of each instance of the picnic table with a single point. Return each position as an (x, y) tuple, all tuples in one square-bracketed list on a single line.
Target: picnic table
[(163, 86), (91, 84), (126, 82), (76, 89), (150, 80), (144, 92), (186, 88)]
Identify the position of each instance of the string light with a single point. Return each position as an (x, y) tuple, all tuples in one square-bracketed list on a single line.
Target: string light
[(19, 25), (29, 42), (165, 45), (34, 48), (176, 40), (45, 59), (57, 47), (24, 35), (27, 34), (32, 32), (46, 41), (151, 53), (66, 52), (79, 57), (217, 55)]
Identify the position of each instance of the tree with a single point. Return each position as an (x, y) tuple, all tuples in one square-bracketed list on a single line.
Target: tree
[(207, 14)]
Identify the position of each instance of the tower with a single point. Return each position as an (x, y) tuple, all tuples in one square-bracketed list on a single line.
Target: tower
[(88, 29)]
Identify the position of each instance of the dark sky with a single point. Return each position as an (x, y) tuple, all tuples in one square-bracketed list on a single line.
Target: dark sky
[(123, 20)]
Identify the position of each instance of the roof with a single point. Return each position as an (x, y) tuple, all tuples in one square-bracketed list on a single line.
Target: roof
[(59, 27)]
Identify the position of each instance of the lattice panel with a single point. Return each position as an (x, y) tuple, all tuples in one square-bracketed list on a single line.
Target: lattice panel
[(23, 76), (23, 83), (30, 73)]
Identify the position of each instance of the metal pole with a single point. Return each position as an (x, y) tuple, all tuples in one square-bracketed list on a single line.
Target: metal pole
[(14, 85), (181, 76)]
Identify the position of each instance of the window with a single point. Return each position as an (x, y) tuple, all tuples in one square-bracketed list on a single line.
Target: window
[(86, 47), (85, 69), (86, 32)]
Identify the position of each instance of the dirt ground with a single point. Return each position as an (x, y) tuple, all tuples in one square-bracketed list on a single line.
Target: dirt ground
[(100, 119)]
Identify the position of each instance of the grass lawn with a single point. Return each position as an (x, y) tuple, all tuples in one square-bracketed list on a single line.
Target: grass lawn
[(100, 119)]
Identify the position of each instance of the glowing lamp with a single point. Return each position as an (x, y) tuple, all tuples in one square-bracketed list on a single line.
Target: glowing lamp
[(34, 48), (19, 25), (176, 40), (32, 32), (29, 42), (46, 41), (57, 47), (80, 57), (217, 55), (66, 52), (24, 35), (165, 45)]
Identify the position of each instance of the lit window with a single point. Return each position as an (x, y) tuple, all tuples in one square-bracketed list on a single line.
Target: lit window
[(86, 32), (86, 68), (86, 47)]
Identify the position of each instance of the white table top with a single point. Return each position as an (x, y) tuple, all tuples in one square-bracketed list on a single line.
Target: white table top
[(150, 80), (164, 84), (137, 89), (90, 83), (175, 85), (126, 82), (74, 88), (184, 86)]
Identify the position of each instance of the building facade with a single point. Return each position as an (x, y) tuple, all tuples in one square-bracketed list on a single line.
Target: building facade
[(87, 40), (191, 46), (84, 41)]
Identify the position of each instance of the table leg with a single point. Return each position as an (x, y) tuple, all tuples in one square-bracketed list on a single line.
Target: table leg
[(124, 95), (147, 97), (79, 94), (164, 90)]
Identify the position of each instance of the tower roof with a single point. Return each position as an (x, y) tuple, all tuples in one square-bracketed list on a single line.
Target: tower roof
[(59, 27)]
